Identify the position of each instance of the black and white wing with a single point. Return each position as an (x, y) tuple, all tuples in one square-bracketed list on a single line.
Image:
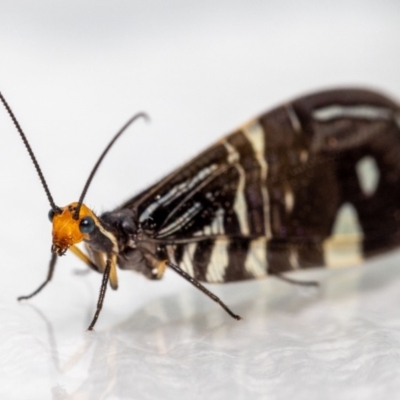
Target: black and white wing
[(274, 195)]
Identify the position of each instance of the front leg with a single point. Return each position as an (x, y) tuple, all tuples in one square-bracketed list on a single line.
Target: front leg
[(98, 264), (111, 264), (52, 265), (83, 257)]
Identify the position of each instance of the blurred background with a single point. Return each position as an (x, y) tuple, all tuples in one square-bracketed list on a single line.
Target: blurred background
[(74, 72)]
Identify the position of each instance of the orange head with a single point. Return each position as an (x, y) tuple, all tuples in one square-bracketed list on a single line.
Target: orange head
[(67, 230)]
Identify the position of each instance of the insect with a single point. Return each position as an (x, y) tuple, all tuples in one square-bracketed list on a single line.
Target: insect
[(269, 198)]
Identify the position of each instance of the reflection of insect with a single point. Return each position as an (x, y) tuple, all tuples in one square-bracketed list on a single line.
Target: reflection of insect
[(267, 199)]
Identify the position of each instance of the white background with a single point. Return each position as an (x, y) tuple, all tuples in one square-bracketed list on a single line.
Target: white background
[(74, 72)]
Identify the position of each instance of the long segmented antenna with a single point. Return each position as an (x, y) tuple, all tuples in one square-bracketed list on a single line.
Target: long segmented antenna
[(31, 154), (95, 168)]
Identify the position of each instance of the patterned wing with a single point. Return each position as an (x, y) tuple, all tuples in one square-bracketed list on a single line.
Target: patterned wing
[(269, 198)]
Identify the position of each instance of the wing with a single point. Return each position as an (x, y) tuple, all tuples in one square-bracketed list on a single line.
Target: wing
[(269, 197)]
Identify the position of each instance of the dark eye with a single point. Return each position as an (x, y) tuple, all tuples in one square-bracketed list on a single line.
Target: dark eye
[(51, 215), (86, 225)]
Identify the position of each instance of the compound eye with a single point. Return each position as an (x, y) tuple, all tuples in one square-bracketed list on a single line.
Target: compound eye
[(86, 225), (51, 215)]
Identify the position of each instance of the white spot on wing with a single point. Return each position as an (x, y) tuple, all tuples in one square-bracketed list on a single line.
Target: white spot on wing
[(344, 246), (361, 111), (346, 221), (289, 199), (255, 134), (368, 175), (218, 261), (303, 156), (256, 260)]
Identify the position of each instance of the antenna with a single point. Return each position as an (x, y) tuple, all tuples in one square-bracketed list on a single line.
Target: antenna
[(95, 168), (31, 154)]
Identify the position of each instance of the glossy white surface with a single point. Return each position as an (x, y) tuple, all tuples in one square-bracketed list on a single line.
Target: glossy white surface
[(74, 72)]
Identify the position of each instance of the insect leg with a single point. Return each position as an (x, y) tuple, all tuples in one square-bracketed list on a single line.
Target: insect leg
[(82, 256), (199, 286), (295, 281), (98, 264), (111, 262), (52, 264)]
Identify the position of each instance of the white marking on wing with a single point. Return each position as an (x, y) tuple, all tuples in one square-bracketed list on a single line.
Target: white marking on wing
[(255, 134), (294, 258), (303, 156), (344, 246), (256, 260), (181, 221), (361, 111), (368, 175), (217, 225), (178, 190), (188, 257), (294, 120), (240, 205), (346, 221), (289, 199), (218, 261), (166, 199), (201, 175), (206, 231)]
